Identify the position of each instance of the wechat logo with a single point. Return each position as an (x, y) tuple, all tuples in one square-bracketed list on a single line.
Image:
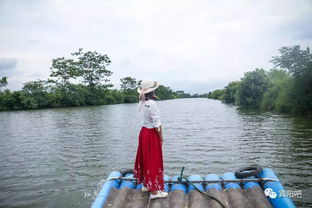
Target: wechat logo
[(270, 193)]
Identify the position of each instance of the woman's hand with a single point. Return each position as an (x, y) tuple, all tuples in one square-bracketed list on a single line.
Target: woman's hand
[(159, 131)]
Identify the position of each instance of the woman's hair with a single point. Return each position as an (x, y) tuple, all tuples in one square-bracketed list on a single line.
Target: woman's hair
[(150, 95)]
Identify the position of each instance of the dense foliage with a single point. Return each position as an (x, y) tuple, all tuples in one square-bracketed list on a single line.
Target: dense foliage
[(286, 89), (81, 80)]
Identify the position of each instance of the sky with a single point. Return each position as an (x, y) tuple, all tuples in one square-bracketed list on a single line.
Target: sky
[(191, 45)]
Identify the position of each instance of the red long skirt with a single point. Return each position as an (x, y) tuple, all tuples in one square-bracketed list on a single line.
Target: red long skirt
[(148, 167)]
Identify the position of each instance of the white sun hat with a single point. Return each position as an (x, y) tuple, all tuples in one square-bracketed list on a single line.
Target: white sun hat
[(147, 86)]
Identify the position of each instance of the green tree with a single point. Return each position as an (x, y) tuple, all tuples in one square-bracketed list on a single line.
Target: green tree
[(4, 96), (63, 69), (35, 94), (182, 94), (92, 66), (128, 83), (128, 87), (139, 82), (230, 92), (302, 91), (11, 100), (216, 94), (114, 96), (293, 59), (252, 87), (3, 82), (299, 64), (277, 96), (164, 93)]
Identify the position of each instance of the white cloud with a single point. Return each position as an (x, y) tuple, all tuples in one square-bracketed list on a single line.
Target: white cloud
[(191, 44)]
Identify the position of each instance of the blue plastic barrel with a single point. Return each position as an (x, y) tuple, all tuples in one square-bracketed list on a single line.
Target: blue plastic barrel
[(197, 185), (276, 199), (103, 194), (166, 178), (178, 186), (139, 186), (248, 185), (212, 185), (230, 185), (128, 184)]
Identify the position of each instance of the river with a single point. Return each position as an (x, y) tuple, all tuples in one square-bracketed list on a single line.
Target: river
[(59, 157)]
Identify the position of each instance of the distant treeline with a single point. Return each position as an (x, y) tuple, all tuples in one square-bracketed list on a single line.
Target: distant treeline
[(81, 80), (287, 88)]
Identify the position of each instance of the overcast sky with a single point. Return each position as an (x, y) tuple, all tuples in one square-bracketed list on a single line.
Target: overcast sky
[(193, 45)]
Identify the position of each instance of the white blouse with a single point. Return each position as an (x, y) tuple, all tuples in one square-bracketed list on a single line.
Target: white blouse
[(151, 114)]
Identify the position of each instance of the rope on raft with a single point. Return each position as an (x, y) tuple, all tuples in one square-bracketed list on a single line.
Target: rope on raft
[(242, 173), (242, 180)]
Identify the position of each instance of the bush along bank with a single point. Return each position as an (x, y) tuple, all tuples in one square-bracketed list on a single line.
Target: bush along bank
[(286, 89), (81, 80)]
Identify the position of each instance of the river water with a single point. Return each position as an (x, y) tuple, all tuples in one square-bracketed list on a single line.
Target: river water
[(59, 157)]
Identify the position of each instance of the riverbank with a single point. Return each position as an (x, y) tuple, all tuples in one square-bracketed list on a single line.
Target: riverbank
[(39, 95), (82, 80), (285, 89)]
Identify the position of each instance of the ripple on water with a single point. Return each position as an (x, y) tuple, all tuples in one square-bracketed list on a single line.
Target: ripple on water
[(58, 157)]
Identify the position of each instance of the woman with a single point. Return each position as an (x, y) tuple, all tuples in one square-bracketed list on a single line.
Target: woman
[(148, 168)]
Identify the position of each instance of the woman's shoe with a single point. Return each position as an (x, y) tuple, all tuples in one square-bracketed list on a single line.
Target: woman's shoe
[(160, 194), (144, 189)]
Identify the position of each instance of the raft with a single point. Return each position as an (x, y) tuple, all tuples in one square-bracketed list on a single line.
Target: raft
[(260, 191)]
